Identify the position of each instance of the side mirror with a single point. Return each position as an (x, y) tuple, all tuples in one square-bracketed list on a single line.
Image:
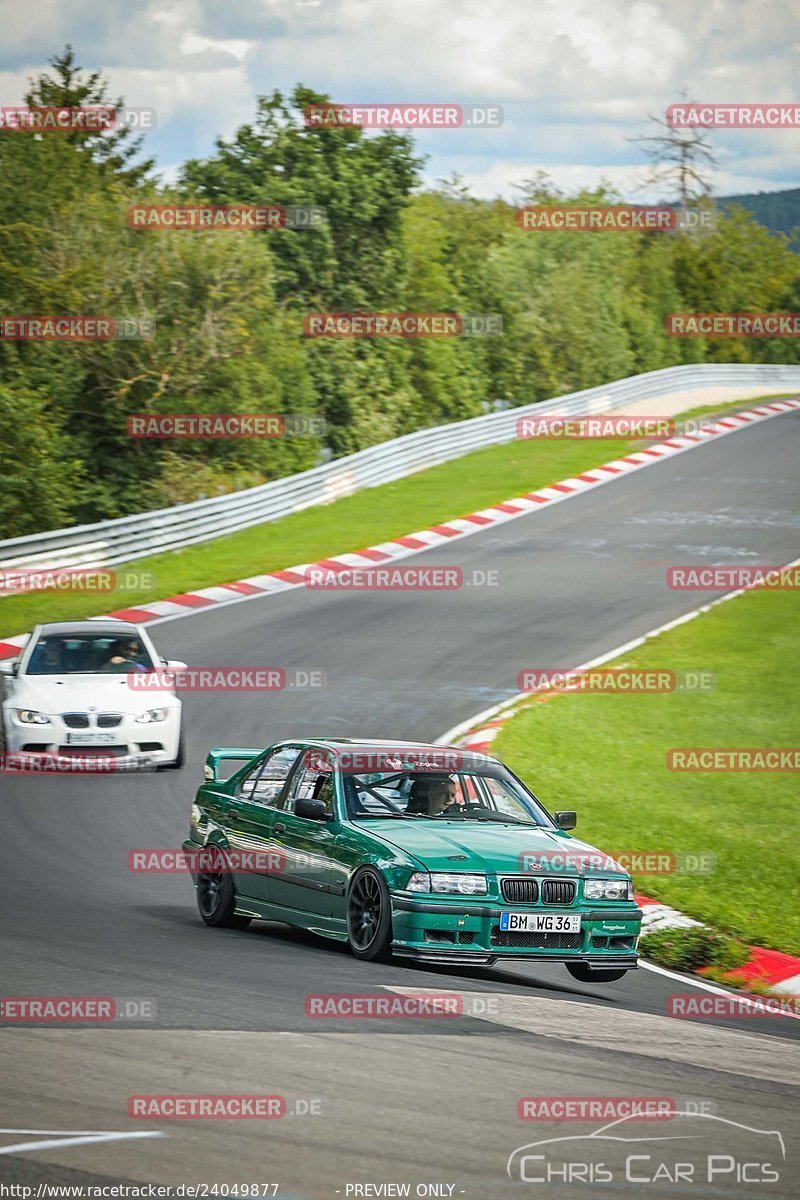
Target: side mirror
[(566, 820), (175, 664), (311, 810), (10, 667)]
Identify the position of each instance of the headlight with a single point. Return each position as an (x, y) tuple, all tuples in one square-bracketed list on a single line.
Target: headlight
[(619, 889), (152, 714), (453, 885), (608, 889), (29, 717)]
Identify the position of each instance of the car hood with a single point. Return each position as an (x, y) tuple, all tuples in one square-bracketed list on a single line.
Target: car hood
[(65, 693), (486, 848)]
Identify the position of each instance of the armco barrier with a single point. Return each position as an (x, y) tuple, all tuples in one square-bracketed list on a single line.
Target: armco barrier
[(108, 542)]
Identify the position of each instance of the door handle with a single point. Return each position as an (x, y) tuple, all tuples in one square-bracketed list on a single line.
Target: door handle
[(279, 828)]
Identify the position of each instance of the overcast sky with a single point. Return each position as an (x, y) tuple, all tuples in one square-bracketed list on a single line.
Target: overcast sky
[(576, 78)]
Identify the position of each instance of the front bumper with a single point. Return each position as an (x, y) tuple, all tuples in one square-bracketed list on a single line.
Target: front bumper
[(126, 744), (469, 932)]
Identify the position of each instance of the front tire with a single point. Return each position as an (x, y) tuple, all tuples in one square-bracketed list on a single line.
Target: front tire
[(369, 916), (587, 974), (216, 895)]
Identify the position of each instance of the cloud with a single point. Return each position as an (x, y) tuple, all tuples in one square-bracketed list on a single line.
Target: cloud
[(577, 78)]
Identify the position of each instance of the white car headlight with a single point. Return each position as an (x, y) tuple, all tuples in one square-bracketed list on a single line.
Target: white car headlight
[(451, 884), (151, 715), (608, 889), (29, 717)]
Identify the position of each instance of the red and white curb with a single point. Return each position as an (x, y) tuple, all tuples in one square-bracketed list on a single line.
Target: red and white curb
[(273, 582), (780, 972)]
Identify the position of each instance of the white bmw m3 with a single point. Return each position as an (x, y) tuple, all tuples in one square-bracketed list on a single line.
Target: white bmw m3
[(73, 692)]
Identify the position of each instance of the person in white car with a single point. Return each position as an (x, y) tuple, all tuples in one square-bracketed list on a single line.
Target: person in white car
[(127, 655)]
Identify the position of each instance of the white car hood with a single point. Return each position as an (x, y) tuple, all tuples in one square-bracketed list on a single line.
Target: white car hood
[(77, 693)]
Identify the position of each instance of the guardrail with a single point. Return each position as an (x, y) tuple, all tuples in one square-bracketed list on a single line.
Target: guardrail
[(106, 543)]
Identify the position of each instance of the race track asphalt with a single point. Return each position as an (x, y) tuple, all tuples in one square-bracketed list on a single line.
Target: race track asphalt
[(420, 1101)]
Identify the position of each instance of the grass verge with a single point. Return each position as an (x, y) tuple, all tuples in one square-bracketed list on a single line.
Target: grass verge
[(605, 755), (378, 514)]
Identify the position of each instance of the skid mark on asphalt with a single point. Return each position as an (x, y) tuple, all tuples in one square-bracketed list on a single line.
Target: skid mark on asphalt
[(627, 1032)]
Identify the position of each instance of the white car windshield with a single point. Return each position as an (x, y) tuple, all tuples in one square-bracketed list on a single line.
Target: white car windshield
[(88, 654)]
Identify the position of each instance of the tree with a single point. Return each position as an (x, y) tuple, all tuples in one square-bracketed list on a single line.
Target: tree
[(114, 150), (681, 160), (363, 184), (577, 309), (39, 477), (539, 189)]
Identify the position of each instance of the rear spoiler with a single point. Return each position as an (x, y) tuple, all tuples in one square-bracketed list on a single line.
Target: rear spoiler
[(224, 754)]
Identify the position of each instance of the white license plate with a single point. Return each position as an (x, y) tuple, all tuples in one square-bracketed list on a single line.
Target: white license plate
[(541, 922), (89, 739)]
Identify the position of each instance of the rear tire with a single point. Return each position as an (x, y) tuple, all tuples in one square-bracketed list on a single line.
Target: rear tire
[(369, 916), (216, 895), (587, 974)]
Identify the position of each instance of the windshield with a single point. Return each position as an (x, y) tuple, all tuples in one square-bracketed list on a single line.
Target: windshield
[(417, 795), (88, 654)]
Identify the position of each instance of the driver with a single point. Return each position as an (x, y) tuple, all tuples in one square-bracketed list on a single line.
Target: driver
[(441, 796), (432, 796), (125, 656)]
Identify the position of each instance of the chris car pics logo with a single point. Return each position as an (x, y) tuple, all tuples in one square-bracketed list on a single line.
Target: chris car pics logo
[(699, 1150)]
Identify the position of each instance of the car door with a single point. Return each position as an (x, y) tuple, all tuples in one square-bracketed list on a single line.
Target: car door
[(310, 880), (247, 821)]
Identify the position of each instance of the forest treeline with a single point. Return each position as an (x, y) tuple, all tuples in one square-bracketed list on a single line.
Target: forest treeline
[(778, 211), (577, 309)]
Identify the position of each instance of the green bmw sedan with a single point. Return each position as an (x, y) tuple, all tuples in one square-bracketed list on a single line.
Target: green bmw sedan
[(402, 848)]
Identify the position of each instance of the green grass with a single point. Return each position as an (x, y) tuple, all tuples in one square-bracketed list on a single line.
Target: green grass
[(604, 755), (378, 514)]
